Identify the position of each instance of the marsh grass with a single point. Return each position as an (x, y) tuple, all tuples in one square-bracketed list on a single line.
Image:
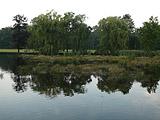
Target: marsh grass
[(139, 53), (93, 60), (92, 65)]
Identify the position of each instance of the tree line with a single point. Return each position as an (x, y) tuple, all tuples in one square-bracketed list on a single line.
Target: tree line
[(51, 32)]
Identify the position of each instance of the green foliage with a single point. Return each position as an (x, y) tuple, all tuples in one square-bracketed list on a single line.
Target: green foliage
[(133, 42), (68, 35), (75, 32), (19, 34), (5, 41), (93, 40), (131, 57), (113, 34), (139, 53), (45, 33), (150, 34), (52, 32)]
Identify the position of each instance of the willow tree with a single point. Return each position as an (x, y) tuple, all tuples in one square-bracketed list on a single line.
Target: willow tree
[(113, 34), (45, 33), (93, 40), (74, 32), (51, 33), (80, 34), (66, 30), (134, 38)]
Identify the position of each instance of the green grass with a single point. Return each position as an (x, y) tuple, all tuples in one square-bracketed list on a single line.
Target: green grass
[(32, 51), (129, 53), (70, 51), (93, 65), (16, 51)]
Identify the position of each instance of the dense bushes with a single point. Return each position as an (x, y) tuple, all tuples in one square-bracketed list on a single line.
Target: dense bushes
[(139, 53)]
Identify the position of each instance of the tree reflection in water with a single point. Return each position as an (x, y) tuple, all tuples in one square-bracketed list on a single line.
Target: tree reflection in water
[(45, 83), (1, 76), (51, 84), (115, 82), (148, 77), (20, 83)]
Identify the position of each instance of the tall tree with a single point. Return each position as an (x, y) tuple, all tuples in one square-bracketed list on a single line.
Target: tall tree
[(113, 34), (80, 34), (129, 22), (45, 33), (83, 34), (93, 40), (150, 34), (20, 34), (134, 39), (67, 28), (52, 32), (75, 33)]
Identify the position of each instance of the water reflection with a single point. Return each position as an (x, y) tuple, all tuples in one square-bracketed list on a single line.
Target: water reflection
[(113, 83), (150, 78), (20, 83), (26, 74), (1, 76), (123, 81), (53, 85)]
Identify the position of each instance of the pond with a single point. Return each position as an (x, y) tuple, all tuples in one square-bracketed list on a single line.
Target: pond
[(29, 95)]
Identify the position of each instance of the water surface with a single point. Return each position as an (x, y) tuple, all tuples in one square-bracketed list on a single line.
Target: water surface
[(63, 96)]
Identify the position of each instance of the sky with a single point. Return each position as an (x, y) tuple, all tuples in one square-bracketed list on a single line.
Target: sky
[(140, 10)]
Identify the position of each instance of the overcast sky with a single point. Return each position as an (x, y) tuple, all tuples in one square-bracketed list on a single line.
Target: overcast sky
[(140, 10)]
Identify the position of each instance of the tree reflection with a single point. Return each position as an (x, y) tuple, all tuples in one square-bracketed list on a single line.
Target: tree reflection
[(150, 78), (53, 85), (115, 82), (123, 81), (1, 76), (43, 82), (40, 78), (20, 83), (151, 86)]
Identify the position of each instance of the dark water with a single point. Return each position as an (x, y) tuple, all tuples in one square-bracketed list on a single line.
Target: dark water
[(41, 96)]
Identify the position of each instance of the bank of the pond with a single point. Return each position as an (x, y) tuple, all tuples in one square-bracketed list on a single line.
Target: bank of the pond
[(89, 59), (91, 64)]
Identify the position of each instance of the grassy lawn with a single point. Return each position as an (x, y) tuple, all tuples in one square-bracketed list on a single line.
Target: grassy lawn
[(32, 51), (70, 51), (15, 51), (129, 53)]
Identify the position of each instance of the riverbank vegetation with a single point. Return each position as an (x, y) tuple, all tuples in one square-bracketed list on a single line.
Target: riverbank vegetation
[(91, 64), (114, 73)]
